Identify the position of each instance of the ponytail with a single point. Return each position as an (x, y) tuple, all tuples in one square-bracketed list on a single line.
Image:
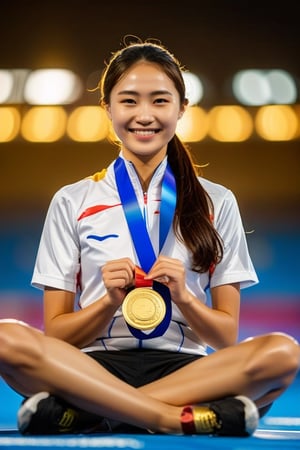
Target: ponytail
[(194, 210)]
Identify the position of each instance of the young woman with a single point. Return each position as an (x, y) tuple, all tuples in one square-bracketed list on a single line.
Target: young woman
[(140, 245)]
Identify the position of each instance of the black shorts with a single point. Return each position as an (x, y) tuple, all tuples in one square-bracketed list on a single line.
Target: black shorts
[(140, 367)]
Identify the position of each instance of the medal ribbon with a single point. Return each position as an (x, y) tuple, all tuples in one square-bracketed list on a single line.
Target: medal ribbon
[(140, 236)]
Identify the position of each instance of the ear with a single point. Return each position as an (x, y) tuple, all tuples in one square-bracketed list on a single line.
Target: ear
[(183, 108), (107, 110)]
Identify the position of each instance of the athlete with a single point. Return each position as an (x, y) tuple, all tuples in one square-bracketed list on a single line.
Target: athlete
[(142, 246)]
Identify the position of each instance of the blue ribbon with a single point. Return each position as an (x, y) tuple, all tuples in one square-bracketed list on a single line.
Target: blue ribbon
[(140, 236)]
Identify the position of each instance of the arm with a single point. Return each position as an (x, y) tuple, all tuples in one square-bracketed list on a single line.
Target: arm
[(219, 325), (216, 325), (81, 327)]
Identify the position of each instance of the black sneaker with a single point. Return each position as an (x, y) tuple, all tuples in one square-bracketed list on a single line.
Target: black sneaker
[(46, 414), (233, 416)]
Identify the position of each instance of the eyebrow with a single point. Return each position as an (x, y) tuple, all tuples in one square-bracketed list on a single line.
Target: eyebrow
[(159, 92)]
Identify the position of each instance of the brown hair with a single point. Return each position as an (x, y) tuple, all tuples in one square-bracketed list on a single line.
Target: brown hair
[(194, 209)]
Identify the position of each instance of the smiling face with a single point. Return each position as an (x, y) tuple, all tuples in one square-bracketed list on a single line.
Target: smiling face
[(144, 109)]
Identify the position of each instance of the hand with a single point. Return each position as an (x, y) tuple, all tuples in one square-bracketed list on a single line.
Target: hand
[(170, 272), (118, 276)]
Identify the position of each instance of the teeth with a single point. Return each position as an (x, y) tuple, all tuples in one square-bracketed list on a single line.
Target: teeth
[(144, 132)]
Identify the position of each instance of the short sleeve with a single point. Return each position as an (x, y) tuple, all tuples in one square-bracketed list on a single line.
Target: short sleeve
[(58, 258), (236, 265)]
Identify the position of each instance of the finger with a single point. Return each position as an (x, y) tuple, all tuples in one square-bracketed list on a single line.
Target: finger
[(163, 279)]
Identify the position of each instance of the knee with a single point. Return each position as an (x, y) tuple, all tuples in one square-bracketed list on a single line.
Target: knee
[(18, 346), (9, 338), (286, 351), (278, 352)]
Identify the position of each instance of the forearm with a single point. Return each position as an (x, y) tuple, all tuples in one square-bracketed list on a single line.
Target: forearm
[(81, 327), (217, 328)]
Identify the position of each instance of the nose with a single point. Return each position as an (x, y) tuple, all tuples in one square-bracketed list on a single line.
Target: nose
[(144, 114)]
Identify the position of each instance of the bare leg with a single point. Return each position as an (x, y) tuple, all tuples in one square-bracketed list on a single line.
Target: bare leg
[(31, 362), (260, 368)]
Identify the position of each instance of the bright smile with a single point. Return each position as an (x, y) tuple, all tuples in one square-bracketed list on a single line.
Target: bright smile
[(140, 132)]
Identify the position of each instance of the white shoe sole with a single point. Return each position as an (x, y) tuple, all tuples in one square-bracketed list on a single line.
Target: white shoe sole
[(251, 414), (29, 408)]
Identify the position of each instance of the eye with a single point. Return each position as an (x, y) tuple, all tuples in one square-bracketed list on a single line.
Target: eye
[(161, 100), (130, 101)]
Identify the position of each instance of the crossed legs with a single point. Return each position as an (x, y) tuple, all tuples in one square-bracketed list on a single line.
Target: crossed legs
[(260, 368)]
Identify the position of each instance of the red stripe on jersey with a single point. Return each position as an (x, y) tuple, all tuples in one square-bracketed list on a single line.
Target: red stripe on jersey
[(95, 209)]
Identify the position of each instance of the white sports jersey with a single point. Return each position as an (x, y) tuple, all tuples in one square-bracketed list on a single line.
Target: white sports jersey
[(85, 227)]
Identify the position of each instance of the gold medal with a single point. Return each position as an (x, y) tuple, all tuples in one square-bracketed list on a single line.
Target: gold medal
[(143, 308)]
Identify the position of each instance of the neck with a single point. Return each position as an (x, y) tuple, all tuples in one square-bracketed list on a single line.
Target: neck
[(145, 173), (145, 166)]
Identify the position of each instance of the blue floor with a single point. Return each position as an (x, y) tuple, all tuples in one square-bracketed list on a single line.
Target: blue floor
[(280, 428)]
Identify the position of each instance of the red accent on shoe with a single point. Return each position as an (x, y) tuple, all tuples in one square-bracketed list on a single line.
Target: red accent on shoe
[(187, 420)]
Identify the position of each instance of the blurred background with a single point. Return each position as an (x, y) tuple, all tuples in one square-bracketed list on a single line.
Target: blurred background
[(243, 126)]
